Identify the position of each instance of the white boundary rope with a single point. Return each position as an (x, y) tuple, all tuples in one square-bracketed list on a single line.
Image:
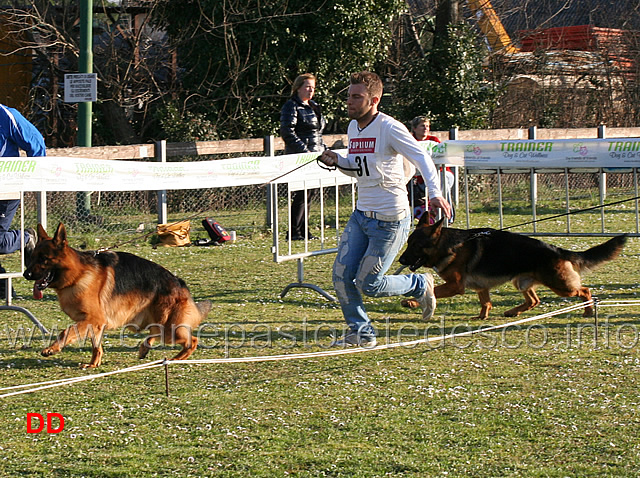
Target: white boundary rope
[(618, 303), (34, 387), (355, 350), (69, 381)]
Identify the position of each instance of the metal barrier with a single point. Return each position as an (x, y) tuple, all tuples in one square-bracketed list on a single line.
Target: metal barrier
[(590, 171), (244, 208), (566, 176), (8, 276), (312, 177), (501, 184)]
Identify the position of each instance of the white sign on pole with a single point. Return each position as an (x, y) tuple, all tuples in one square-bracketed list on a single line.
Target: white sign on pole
[(80, 87)]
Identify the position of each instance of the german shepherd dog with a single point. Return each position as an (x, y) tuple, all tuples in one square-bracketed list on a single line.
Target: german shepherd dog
[(106, 290), (481, 259)]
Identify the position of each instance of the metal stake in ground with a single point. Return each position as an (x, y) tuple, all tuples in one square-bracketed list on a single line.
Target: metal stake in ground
[(595, 316), (166, 375)]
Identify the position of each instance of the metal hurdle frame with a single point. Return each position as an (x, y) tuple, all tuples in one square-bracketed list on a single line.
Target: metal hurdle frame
[(13, 275), (318, 179)]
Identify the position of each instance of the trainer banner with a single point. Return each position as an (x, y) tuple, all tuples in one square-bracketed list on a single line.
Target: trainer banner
[(558, 153), (56, 173)]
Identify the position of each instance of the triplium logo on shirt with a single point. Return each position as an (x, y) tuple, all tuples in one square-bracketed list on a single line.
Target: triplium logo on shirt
[(362, 145)]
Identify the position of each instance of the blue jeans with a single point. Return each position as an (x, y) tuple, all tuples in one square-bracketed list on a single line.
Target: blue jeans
[(9, 240), (366, 251)]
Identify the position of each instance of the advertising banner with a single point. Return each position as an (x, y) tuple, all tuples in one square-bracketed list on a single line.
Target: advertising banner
[(58, 173), (558, 153), (54, 173)]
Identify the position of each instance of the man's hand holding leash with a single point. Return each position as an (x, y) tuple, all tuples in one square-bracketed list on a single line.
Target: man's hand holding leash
[(329, 158)]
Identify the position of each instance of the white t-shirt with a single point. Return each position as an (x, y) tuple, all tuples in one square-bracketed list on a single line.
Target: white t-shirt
[(378, 151)]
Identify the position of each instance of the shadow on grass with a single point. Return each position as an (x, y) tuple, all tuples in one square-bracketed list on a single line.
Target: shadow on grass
[(37, 361)]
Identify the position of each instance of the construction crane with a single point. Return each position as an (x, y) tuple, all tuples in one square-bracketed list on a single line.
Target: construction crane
[(491, 26)]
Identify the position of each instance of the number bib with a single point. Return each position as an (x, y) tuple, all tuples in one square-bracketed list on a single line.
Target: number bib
[(376, 164)]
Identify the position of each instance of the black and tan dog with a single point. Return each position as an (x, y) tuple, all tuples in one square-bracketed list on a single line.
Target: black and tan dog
[(481, 259), (107, 290)]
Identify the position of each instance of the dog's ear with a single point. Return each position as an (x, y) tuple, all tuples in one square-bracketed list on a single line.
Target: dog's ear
[(42, 234), (437, 227), (424, 219), (60, 237)]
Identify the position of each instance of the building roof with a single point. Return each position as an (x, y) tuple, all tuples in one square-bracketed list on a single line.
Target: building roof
[(532, 14)]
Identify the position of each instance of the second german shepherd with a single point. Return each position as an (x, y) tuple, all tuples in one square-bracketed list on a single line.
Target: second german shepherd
[(480, 259), (105, 290)]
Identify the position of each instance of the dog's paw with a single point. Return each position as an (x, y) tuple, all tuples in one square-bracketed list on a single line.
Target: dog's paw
[(143, 351), (85, 366), (410, 303)]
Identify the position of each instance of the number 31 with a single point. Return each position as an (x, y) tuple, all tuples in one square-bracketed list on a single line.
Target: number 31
[(362, 161)]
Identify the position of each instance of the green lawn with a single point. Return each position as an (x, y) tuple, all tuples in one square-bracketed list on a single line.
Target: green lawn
[(542, 399)]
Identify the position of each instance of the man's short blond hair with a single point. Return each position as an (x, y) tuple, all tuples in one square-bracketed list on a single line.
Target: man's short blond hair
[(370, 80)]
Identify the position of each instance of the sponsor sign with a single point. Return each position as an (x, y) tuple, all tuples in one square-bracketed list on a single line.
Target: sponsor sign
[(55, 173)]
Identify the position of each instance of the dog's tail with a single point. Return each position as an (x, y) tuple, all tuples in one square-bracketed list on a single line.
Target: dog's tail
[(204, 308), (597, 255)]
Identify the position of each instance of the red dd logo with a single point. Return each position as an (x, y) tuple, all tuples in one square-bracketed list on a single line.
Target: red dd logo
[(41, 422)]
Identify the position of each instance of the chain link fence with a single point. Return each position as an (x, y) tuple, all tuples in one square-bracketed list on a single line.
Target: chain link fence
[(508, 200), (110, 214), (506, 197), (244, 208)]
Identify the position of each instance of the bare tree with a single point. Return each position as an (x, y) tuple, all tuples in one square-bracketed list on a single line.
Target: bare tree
[(576, 63), (134, 67)]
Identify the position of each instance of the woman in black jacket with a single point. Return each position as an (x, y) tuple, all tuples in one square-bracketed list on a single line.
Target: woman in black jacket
[(301, 125)]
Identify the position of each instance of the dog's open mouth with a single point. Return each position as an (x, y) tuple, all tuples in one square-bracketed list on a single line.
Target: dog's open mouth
[(42, 284)]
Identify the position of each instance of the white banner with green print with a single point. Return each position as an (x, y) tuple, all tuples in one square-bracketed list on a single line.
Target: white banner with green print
[(58, 173), (558, 153), (81, 174)]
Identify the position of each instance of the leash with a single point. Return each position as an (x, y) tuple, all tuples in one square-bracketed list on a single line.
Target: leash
[(572, 212), (337, 166), (289, 172), (321, 164), (577, 211)]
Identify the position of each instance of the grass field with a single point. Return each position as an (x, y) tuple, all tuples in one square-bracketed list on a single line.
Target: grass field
[(544, 399)]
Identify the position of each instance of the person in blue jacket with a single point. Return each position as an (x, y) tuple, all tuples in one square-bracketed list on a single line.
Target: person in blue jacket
[(301, 125), (16, 133)]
